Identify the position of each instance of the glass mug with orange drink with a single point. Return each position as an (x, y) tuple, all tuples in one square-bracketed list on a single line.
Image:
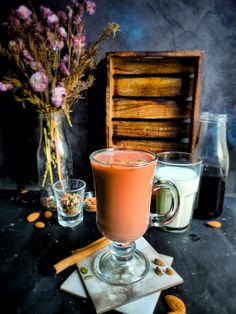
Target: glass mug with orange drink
[(124, 181)]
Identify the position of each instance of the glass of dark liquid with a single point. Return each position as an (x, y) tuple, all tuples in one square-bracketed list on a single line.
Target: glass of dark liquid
[(211, 147)]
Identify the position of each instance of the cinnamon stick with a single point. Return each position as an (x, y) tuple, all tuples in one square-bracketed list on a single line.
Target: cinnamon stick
[(88, 246), (81, 254)]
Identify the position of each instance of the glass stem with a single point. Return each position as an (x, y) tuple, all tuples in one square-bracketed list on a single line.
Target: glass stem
[(122, 252)]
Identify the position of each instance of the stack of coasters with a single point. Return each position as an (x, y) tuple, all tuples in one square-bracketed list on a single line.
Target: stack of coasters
[(140, 297)]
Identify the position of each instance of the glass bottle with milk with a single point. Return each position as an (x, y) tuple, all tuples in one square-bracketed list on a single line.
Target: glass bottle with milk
[(183, 170)]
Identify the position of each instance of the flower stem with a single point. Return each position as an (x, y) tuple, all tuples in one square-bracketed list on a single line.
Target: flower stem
[(58, 154), (48, 160)]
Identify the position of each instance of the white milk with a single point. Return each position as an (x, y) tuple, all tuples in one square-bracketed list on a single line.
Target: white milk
[(186, 181)]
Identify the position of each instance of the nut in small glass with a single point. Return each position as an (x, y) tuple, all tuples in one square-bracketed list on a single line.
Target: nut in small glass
[(69, 196)]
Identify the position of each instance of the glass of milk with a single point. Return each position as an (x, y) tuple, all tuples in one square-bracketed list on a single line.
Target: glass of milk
[(184, 170)]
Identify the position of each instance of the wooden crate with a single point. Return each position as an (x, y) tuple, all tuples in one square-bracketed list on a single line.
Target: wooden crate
[(152, 99)]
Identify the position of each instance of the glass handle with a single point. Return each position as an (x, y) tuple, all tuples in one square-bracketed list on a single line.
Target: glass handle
[(163, 217)]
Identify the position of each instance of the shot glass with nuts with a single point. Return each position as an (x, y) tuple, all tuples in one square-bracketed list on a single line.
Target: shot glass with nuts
[(69, 195)]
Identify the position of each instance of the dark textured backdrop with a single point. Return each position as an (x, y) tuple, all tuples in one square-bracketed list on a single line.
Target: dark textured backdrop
[(154, 25)]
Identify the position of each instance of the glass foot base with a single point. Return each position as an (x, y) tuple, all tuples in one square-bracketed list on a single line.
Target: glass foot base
[(121, 273), (175, 230)]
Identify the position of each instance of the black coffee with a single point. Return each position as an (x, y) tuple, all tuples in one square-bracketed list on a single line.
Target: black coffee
[(211, 194)]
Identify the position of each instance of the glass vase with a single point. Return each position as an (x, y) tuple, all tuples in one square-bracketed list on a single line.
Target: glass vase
[(54, 158)]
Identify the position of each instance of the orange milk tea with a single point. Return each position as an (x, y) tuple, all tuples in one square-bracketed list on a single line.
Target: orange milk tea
[(123, 184)]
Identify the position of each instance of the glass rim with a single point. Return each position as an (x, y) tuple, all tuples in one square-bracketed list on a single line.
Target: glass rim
[(138, 164), (174, 162), (212, 117), (68, 180)]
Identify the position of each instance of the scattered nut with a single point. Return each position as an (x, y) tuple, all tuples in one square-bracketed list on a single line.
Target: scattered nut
[(39, 225), (158, 271), (33, 216), (84, 270), (88, 277), (92, 207), (170, 271), (175, 303), (194, 237), (159, 262), (48, 214), (23, 191), (91, 203), (214, 224)]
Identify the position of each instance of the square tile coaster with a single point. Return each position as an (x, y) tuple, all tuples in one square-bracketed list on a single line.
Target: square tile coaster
[(106, 297), (147, 304)]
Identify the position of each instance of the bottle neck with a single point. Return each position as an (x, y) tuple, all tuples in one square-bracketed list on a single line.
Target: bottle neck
[(211, 144)]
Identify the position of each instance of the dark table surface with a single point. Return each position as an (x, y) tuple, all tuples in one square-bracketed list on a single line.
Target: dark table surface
[(204, 257)]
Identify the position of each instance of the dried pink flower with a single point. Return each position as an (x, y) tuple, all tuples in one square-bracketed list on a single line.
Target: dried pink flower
[(45, 12), (69, 12), (90, 7), (5, 87), (58, 94), (27, 56), (57, 45), (52, 19), (74, 4), (20, 43), (62, 16), (39, 27), (64, 70), (53, 42), (79, 41), (62, 33), (13, 47), (77, 19), (39, 81), (36, 66), (80, 11), (14, 21), (24, 13), (65, 59)]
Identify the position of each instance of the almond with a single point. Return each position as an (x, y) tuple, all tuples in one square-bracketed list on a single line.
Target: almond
[(33, 216), (170, 271), (158, 271), (92, 208), (39, 225), (214, 224), (91, 203), (175, 303), (48, 214), (159, 262)]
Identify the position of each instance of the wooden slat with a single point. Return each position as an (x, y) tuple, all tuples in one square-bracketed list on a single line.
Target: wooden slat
[(155, 54), (150, 109), (161, 65), (153, 146), (151, 129), (151, 87)]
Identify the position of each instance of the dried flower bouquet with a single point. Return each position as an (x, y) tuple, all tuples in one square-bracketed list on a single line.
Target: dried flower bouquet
[(49, 63)]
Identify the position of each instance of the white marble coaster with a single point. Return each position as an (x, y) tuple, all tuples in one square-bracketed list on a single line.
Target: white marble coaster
[(147, 304), (106, 297)]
